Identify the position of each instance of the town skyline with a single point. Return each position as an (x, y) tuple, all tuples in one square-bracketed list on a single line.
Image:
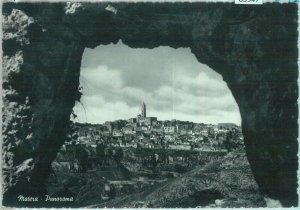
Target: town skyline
[(144, 114)]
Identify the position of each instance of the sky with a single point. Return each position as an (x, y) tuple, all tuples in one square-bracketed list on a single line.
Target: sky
[(116, 79)]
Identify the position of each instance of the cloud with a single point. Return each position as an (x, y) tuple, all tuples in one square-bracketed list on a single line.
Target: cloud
[(101, 77), (145, 68), (173, 84)]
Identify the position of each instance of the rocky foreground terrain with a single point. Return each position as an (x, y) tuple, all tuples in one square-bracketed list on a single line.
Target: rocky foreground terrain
[(226, 182)]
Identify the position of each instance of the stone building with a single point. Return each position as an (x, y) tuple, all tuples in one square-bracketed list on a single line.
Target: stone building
[(143, 110)]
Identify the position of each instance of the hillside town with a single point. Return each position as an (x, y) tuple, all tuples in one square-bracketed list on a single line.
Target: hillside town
[(93, 144), (149, 132)]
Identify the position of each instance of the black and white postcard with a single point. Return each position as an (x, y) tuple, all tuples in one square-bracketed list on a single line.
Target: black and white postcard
[(149, 104)]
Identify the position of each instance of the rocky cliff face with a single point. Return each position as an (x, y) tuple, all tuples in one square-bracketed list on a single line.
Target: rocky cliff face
[(254, 48)]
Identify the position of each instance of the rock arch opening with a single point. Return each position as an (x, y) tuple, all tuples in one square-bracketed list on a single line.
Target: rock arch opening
[(161, 116)]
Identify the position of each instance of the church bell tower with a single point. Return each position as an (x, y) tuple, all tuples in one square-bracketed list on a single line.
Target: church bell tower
[(143, 110)]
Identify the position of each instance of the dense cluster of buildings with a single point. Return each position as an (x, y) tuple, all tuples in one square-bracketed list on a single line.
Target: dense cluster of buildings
[(144, 131)]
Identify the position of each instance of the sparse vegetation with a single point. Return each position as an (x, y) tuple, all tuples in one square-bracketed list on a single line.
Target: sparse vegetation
[(224, 181)]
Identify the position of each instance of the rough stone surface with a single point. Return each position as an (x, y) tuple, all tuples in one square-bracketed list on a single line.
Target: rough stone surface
[(224, 182), (253, 48)]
